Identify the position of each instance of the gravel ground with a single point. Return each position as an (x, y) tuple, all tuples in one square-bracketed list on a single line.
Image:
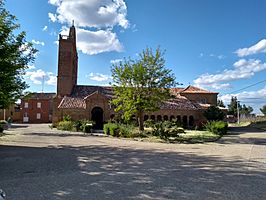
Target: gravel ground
[(39, 163)]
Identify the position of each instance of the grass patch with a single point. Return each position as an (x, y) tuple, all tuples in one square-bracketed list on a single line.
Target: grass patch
[(192, 136), (260, 125), (241, 124)]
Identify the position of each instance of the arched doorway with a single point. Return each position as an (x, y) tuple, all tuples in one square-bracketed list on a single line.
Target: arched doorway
[(97, 117)]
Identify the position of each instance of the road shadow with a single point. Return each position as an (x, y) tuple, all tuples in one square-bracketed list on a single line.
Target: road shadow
[(103, 172), (236, 135), (19, 126)]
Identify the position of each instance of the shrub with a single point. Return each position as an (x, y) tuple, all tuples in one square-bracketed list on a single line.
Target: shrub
[(65, 125), (84, 122), (113, 128), (9, 120), (106, 128), (125, 130), (4, 124), (149, 123), (77, 125), (213, 113), (87, 128), (1, 128), (67, 118), (217, 127)]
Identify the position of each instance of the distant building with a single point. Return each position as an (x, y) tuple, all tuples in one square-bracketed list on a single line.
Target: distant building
[(13, 112), (93, 102), (37, 108)]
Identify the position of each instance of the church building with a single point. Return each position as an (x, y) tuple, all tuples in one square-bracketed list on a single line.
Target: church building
[(93, 102)]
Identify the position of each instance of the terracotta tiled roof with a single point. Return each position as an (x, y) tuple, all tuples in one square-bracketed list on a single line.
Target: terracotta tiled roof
[(180, 103), (70, 102), (193, 89), (82, 91)]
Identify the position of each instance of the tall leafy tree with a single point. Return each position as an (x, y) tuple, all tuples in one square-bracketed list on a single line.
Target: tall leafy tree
[(141, 85), (213, 113), (263, 110), (220, 103), (15, 55), (232, 107), (246, 110)]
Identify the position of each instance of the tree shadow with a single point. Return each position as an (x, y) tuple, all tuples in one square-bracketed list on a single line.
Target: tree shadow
[(103, 172), (236, 135)]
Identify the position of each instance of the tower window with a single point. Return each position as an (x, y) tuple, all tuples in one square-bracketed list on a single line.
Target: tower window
[(39, 105), (38, 116)]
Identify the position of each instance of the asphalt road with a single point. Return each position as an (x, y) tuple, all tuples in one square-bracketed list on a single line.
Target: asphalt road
[(38, 163)]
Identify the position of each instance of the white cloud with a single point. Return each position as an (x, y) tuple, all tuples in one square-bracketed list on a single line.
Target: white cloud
[(54, 2), (260, 47), (38, 76), (37, 42), (100, 14), (99, 77), (52, 17), (91, 13), (115, 61), (242, 69), (256, 99), (45, 28), (94, 42), (31, 67)]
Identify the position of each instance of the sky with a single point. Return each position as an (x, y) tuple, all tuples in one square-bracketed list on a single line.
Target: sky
[(218, 45)]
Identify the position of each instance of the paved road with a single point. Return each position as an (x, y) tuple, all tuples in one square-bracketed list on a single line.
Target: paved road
[(38, 163)]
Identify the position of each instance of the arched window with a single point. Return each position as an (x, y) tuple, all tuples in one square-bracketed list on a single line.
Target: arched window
[(112, 116), (172, 117), (159, 118), (184, 121), (165, 117), (178, 118), (146, 117), (191, 121), (152, 117)]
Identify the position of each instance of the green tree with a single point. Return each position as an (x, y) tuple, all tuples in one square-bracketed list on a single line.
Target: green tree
[(141, 85), (15, 55), (232, 107), (245, 110), (220, 103), (213, 113), (263, 110)]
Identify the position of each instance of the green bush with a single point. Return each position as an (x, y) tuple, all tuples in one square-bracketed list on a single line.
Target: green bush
[(217, 127), (67, 118), (149, 123), (167, 129), (1, 128), (87, 128), (65, 126), (116, 130), (125, 130), (113, 128), (106, 128), (4, 124), (77, 125), (84, 122)]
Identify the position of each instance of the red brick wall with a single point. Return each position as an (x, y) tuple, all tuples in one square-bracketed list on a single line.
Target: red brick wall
[(32, 110)]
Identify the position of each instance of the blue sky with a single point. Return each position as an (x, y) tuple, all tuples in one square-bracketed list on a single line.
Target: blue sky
[(219, 45)]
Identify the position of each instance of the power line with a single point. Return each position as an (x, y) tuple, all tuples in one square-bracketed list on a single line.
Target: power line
[(249, 86)]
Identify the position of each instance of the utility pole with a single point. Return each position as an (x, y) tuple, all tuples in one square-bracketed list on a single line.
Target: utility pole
[(237, 107)]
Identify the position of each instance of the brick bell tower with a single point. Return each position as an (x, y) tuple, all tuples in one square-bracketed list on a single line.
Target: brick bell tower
[(67, 63)]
